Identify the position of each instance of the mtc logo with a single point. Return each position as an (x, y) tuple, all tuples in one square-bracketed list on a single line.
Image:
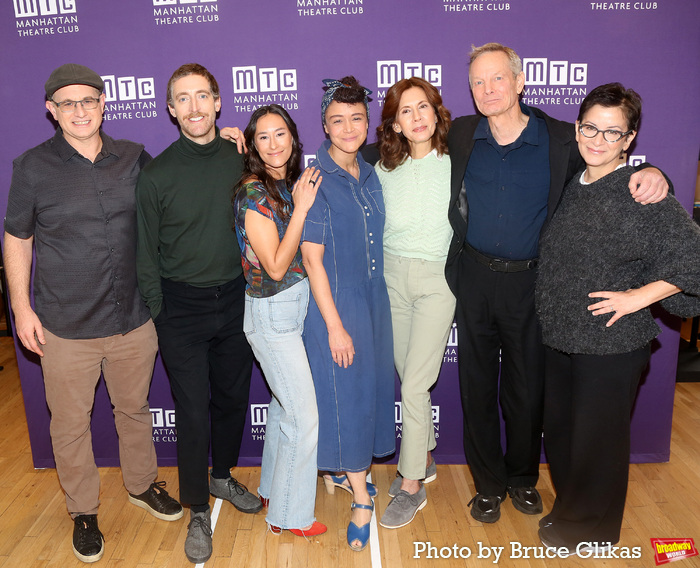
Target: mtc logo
[(398, 413), (452, 338), (251, 79), (388, 72), (29, 8), (258, 414), (128, 88), (538, 71), (636, 160), (163, 418), (175, 2)]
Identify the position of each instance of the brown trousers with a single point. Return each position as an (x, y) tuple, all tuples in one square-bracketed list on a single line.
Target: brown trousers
[(72, 369)]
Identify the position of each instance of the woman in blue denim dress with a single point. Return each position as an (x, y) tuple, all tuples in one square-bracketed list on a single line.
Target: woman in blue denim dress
[(269, 222), (348, 327)]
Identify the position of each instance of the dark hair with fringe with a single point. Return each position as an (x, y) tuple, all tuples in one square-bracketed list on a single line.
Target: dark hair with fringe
[(393, 146), (254, 166), (614, 95)]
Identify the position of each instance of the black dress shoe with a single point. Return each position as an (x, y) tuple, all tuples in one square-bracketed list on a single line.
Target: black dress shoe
[(526, 500), (486, 508)]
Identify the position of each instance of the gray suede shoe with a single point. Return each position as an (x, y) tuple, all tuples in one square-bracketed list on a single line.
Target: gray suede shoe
[(235, 492), (403, 508), (198, 545), (430, 475)]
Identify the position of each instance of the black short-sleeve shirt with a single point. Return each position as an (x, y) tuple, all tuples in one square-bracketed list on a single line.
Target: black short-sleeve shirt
[(82, 216)]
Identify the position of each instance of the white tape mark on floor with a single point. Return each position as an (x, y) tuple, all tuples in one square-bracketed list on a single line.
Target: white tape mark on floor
[(375, 551), (214, 518)]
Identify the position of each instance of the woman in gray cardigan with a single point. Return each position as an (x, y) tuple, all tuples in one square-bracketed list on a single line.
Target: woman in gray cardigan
[(604, 259)]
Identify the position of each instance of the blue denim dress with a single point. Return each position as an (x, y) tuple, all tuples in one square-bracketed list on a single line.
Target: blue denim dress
[(355, 405)]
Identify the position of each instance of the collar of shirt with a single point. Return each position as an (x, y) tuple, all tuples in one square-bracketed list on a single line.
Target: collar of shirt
[(192, 149), (327, 164), (530, 135), (432, 152), (66, 151), (583, 172)]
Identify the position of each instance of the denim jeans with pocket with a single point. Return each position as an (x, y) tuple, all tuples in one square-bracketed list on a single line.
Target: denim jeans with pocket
[(273, 326)]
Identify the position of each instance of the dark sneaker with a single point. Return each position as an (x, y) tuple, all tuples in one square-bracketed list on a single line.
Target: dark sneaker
[(526, 500), (157, 502), (198, 545), (88, 542), (486, 508), (430, 475), (403, 508), (235, 492)]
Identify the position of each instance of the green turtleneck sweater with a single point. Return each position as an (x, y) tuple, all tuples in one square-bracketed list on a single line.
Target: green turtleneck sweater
[(185, 218)]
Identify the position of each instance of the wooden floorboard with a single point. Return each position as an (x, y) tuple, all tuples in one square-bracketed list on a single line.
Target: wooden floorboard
[(35, 530)]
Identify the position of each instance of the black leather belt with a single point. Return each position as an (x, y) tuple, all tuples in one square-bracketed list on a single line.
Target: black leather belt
[(500, 264)]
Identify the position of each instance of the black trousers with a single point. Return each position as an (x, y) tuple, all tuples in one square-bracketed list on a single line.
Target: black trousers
[(209, 362), (496, 312), (588, 403)]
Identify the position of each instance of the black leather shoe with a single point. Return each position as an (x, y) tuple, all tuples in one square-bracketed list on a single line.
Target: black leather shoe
[(88, 542), (485, 508), (157, 502), (526, 500)]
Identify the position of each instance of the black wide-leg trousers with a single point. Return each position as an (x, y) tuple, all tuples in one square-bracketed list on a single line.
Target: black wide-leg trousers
[(588, 403)]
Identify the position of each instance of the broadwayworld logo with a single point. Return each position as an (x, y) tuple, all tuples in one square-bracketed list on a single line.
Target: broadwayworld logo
[(671, 549)]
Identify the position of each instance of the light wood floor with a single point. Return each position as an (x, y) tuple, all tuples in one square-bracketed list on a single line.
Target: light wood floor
[(35, 530)]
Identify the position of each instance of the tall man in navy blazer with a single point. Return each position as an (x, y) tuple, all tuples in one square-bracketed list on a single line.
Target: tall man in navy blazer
[(509, 168)]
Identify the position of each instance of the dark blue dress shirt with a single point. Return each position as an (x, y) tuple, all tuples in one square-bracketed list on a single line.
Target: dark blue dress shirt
[(507, 189)]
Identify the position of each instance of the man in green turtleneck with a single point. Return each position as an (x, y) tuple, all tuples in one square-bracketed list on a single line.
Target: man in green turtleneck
[(190, 276)]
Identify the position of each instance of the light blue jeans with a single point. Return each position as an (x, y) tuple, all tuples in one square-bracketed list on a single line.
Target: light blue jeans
[(273, 326)]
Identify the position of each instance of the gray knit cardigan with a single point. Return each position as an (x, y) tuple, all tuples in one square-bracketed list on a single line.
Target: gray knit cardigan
[(601, 239)]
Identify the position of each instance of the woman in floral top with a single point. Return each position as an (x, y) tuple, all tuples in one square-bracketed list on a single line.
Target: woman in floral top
[(269, 222)]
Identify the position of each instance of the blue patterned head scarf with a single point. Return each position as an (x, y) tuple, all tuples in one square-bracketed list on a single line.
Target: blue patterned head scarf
[(332, 86)]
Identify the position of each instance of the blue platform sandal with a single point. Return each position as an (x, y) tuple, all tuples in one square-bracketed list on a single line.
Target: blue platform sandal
[(359, 533), (333, 481)]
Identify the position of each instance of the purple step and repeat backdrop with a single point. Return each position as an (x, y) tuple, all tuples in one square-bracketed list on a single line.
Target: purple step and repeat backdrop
[(278, 51)]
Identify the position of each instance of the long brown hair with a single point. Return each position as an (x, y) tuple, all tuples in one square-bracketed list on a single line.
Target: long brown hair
[(393, 146), (254, 166)]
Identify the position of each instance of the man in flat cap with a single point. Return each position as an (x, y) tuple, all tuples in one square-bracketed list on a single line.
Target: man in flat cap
[(72, 200)]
